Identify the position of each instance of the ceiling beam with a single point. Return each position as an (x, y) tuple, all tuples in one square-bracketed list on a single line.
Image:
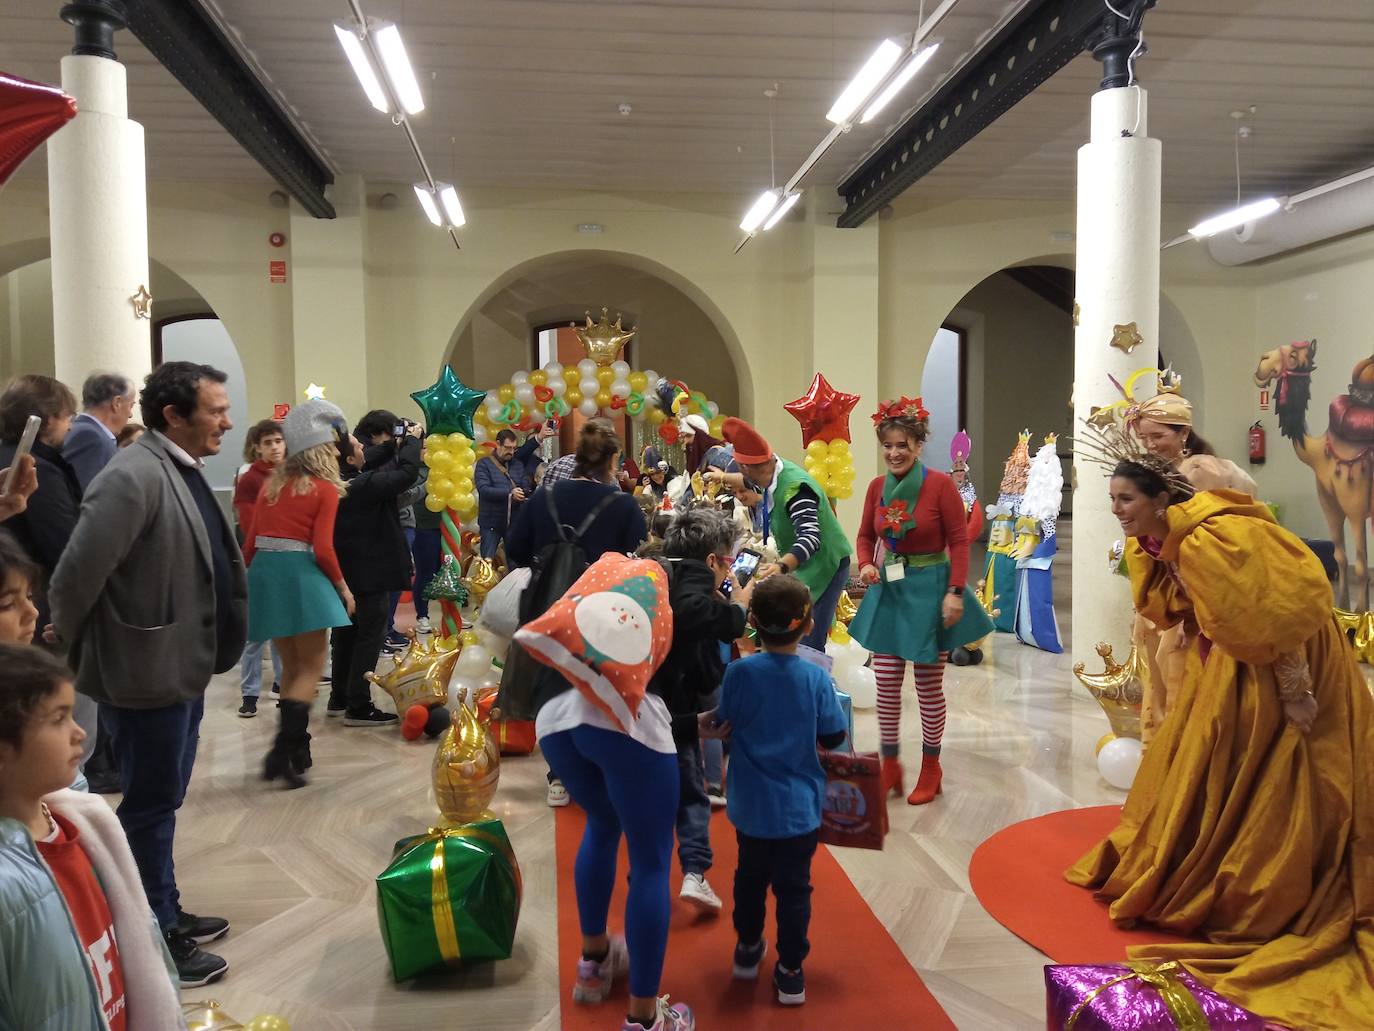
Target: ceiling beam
[(191, 45), (1043, 37)]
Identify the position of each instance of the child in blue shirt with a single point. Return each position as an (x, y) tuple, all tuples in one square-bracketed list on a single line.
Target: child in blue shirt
[(775, 708)]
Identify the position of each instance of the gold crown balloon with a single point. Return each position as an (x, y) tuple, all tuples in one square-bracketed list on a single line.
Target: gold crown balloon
[(1119, 689), (420, 674), (467, 766), (602, 340), (482, 577)]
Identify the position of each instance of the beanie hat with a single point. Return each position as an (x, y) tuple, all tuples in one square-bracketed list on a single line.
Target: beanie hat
[(694, 424), (313, 423), (750, 447)]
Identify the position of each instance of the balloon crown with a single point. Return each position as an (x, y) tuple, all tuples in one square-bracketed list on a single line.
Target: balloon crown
[(902, 408), (1170, 382), (603, 340)]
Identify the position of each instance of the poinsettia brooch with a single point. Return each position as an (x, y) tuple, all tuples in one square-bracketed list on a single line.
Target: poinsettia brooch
[(896, 518)]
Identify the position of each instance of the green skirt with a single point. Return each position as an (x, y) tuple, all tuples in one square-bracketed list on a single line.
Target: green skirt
[(288, 595), (903, 618)]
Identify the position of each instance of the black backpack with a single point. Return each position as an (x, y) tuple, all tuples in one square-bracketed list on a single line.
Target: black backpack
[(527, 684)]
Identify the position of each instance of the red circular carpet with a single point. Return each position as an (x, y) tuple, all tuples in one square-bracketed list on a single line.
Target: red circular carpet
[(1018, 876)]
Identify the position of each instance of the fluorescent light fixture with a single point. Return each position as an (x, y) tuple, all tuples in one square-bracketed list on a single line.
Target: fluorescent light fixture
[(914, 64), (362, 67), (763, 207), (453, 211), (1235, 217), (781, 210), (401, 76), (427, 202), (863, 84)]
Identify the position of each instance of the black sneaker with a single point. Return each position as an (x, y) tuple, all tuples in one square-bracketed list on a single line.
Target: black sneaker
[(748, 958), (195, 966), (104, 783), (395, 643), (202, 929), (276, 687), (335, 708), (373, 717), (325, 678), (249, 708), (791, 985)]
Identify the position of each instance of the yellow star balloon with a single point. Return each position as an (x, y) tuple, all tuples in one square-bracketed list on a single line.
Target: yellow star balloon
[(419, 675), (314, 392)]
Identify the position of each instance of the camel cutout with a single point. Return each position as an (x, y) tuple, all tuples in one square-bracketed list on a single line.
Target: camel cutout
[(1342, 467)]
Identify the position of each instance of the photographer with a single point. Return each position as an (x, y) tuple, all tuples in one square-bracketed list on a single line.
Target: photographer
[(498, 476)]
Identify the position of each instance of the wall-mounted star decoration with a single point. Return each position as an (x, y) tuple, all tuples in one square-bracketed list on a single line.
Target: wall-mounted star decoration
[(142, 301), (1126, 338), (314, 392)]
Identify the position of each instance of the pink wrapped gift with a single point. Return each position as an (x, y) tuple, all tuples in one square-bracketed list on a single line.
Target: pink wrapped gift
[(1138, 997)]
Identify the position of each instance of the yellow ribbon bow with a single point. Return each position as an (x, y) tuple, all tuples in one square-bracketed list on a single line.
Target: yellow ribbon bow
[(444, 928), (1162, 977)]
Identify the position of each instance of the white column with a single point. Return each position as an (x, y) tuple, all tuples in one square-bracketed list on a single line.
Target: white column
[(97, 195), (1117, 283)]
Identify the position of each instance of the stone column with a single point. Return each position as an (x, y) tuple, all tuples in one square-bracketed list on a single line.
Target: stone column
[(99, 210), (1118, 284)]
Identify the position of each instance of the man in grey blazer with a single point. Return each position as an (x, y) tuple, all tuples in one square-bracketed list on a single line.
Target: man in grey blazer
[(151, 596), (107, 403)]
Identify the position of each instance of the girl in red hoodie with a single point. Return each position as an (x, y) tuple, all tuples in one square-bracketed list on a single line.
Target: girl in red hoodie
[(264, 449)]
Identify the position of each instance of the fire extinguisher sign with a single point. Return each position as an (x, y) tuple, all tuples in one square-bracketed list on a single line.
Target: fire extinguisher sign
[(1264, 399)]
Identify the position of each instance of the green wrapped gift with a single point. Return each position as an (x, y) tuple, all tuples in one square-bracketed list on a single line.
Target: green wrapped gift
[(450, 896)]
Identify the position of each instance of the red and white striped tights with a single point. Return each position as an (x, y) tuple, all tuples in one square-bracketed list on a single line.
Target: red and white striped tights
[(889, 670)]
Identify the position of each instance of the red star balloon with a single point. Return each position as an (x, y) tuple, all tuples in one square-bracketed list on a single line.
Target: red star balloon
[(823, 412), (29, 113)]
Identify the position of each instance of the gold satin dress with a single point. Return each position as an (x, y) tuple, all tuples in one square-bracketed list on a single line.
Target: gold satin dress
[(1240, 829)]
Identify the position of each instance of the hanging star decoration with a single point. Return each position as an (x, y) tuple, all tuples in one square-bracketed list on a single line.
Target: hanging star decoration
[(314, 392), (602, 340), (142, 301), (1126, 338), (449, 404), (823, 412)]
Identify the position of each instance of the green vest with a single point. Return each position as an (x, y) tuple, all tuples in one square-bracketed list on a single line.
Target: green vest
[(819, 569)]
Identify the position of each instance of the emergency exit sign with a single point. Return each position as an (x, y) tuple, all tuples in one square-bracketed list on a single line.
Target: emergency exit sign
[(276, 271)]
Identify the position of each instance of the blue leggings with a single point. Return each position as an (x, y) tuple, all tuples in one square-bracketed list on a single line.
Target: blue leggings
[(621, 784)]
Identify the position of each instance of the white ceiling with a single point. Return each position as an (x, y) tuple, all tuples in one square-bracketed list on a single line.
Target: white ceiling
[(525, 93)]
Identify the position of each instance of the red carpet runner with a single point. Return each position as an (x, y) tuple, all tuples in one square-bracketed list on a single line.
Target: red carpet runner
[(855, 977), (1018, 876)]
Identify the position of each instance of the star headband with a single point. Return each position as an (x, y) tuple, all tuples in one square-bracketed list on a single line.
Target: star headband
[(779, 631), (902, 408)]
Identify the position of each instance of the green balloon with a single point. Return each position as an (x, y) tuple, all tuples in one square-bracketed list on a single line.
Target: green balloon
[(449, 404)]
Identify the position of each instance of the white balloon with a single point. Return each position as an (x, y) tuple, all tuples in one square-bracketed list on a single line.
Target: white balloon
[(493, 400), (587, 368), (589, 387), (461, 688), (479, 433), (652, 377), (559, 386), (520, 377), (498, 646), (713, 408), (861, 685), (1118, 762), (858, 651), (841, 658), (621, 388), (621, 369), (588, 407), (474, 662), (554, 370), (524, 393)]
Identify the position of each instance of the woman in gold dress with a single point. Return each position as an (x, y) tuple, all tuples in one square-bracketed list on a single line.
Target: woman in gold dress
[(1251, 821)]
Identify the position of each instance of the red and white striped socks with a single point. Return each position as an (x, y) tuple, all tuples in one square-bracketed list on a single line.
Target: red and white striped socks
[(889, 671)]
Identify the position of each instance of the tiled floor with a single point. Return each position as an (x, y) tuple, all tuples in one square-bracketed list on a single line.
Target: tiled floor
[(293, 870)]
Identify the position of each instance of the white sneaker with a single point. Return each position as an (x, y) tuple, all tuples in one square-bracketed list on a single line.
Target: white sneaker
[(595, 979), (422, 626), (558, 795), (716, 796), (698, 893)]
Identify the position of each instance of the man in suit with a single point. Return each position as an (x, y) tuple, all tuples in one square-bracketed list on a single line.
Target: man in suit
[(151, 595), (107, 402)]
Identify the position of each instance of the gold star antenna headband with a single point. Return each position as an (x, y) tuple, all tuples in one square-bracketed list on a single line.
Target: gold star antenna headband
[(1108, 446)]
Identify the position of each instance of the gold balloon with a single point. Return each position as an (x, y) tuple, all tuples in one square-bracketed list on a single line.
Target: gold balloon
[(419, 675), (839, 633), (481, 578), (846, 609), (467, 766), (469, 636), (602, 340), (268, 1022), (1359, 631), (207, 1016), (1119, 689)]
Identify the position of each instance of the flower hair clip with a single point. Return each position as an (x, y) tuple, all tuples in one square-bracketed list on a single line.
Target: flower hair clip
[(902, 408)]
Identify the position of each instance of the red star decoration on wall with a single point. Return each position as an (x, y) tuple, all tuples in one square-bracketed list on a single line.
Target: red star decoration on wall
[(823, 412)]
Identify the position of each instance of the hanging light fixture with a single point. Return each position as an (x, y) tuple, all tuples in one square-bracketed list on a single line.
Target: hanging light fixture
[(1235, 217), (895, 85), (378, 56), (440, 204), (781, 210), (865, 81), (760, 210)]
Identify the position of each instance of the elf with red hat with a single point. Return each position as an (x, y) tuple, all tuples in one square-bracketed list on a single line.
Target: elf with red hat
[(797, 516)]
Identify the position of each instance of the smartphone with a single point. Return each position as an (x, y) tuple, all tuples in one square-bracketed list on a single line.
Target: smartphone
[(26, 440), (552, 424), (746, 562)]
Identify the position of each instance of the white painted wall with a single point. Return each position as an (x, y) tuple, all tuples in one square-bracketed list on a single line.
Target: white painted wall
[(940, 390)]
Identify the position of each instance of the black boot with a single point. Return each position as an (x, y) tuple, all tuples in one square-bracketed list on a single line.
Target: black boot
[(293, 717), (300, 755)]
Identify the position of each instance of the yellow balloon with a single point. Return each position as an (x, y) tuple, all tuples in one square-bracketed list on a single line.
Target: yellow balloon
[(435, 503), (717, 426), (656, 415), (458, 442), (1102, 743), (439, 459), (462, 483), (833, 463), (464, 459), (839, 446), (572, 375), (638, 381), (817, 449), (470, 637), (505, 392), (605, 376), (573, 396), (267, 1022), (846, 492), (440, 485), (539, 377), (603, 396)]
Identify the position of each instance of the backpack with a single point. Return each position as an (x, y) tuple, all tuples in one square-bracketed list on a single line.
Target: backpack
[(525, 683)]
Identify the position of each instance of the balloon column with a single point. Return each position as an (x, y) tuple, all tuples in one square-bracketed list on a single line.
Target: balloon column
[(823, 413)]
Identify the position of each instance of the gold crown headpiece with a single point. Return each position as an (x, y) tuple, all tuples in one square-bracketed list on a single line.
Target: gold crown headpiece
[(1109, 446)]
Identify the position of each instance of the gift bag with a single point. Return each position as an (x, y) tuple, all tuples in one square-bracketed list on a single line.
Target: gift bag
[(514, 737), (1138, 996), (450, 896), (852, 812), (846, 707)]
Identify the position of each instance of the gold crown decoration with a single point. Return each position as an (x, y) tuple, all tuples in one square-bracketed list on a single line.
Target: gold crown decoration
[(467, 766), (1119, 689), (1170, 382), (1110, 445), (419, 675), (1051, 439), (602, 340)]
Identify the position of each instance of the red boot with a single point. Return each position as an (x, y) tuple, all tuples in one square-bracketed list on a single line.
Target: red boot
[(892, 775), (928, 783)]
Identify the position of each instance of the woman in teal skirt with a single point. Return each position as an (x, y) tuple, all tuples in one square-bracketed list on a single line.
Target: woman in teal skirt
[(296, 590), (913, 554)]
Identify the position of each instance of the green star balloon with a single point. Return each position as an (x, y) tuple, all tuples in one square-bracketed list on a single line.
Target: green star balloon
[(449, 404)]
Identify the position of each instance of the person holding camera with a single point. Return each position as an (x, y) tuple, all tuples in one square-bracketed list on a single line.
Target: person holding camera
[(497, 477)]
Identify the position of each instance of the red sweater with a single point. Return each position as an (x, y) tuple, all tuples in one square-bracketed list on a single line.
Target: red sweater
[(298, 517), (941, 525), (247, 488)]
